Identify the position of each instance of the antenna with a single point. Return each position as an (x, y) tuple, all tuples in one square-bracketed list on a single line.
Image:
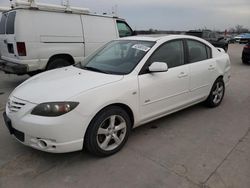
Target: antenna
[(32, 3), (11, 4), (116, 10), (66, 3)]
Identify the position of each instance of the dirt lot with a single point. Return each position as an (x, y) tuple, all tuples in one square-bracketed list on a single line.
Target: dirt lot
[(197, 147)]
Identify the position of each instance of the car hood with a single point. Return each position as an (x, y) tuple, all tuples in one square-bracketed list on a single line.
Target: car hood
[(61, 84)]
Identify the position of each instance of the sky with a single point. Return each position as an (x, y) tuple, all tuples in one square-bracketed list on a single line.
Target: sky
[(170, 14)]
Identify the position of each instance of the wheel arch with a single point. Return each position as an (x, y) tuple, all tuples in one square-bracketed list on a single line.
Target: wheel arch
[(124, 107), (65, 56), (220, 77)]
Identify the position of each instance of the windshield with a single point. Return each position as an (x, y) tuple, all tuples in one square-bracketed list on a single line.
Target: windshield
[(117, 57)]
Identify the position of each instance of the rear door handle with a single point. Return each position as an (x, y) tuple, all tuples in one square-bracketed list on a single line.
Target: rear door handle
[(211, 67), (182, 75)]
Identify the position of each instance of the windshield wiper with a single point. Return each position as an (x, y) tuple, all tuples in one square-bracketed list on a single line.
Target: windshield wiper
[(95, 69)]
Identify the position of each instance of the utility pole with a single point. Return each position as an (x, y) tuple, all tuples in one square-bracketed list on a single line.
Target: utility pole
[(115, 10)]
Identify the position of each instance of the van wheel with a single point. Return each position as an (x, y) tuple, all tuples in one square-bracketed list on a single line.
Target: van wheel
[(33, 73), (58, 63), (216, 94), (108, 131)]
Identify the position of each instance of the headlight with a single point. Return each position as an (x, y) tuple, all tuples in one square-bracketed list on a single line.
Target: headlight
[(53, 109)]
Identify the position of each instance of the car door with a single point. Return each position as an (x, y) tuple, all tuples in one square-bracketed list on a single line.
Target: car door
[(202, 69), (163, 92), (3, 47), (7, 34)]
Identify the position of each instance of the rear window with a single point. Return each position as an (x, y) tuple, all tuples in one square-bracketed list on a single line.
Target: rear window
[(10, 26), (3, 23), (7, 24)]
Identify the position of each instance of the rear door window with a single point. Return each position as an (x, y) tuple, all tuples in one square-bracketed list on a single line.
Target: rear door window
[(3, 23), (10, 26), (197, 51)]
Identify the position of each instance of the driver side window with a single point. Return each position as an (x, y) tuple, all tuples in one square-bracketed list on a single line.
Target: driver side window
[(171, 53)]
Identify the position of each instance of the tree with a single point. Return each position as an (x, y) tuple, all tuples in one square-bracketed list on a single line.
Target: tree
[(240, 29)]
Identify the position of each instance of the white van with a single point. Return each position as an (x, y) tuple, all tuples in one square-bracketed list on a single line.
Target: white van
[(2, 9), (44, 37), (0, 19)]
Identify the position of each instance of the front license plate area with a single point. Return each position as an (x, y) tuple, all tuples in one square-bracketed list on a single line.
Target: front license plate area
[(18, 134)]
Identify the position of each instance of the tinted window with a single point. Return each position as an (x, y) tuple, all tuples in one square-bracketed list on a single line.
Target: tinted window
[(3, 23), (171, 53), (124, 29), (209, 52), (10, 27), (196, 51)]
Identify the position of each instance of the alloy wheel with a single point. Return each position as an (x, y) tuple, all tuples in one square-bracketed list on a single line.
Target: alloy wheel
[(218, 92), (111, 132)]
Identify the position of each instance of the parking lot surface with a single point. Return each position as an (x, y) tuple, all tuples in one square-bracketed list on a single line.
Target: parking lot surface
[(196, 147)]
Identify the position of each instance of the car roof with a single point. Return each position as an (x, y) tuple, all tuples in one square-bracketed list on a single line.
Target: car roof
[(159, 37)]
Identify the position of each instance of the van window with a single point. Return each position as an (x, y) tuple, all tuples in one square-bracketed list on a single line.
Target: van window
[(10, 27), (124, 29), (3, 23)]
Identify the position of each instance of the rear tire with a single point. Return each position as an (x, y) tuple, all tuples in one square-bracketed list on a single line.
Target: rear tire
[(216, 94), (58, 63), (108, 131), (226, 48)]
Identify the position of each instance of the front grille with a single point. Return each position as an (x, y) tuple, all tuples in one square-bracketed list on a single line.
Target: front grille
[(14, 105)]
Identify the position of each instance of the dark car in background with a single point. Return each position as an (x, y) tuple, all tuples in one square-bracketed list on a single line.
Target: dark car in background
[(246, 53), (214, 38)]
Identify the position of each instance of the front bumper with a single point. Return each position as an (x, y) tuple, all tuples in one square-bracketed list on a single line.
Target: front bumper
[(18, 134), (13, 68), (55, 135)]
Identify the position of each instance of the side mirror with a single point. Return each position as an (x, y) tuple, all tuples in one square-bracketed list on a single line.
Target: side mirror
[(158, 67)]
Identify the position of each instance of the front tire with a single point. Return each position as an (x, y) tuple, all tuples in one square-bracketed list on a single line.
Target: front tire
[(108, 131), (216, 94)]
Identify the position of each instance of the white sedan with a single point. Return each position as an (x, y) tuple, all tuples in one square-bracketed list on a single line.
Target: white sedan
[(126, 83)]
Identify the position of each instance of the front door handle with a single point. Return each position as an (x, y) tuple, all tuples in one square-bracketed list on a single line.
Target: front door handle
[(182, 75)]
